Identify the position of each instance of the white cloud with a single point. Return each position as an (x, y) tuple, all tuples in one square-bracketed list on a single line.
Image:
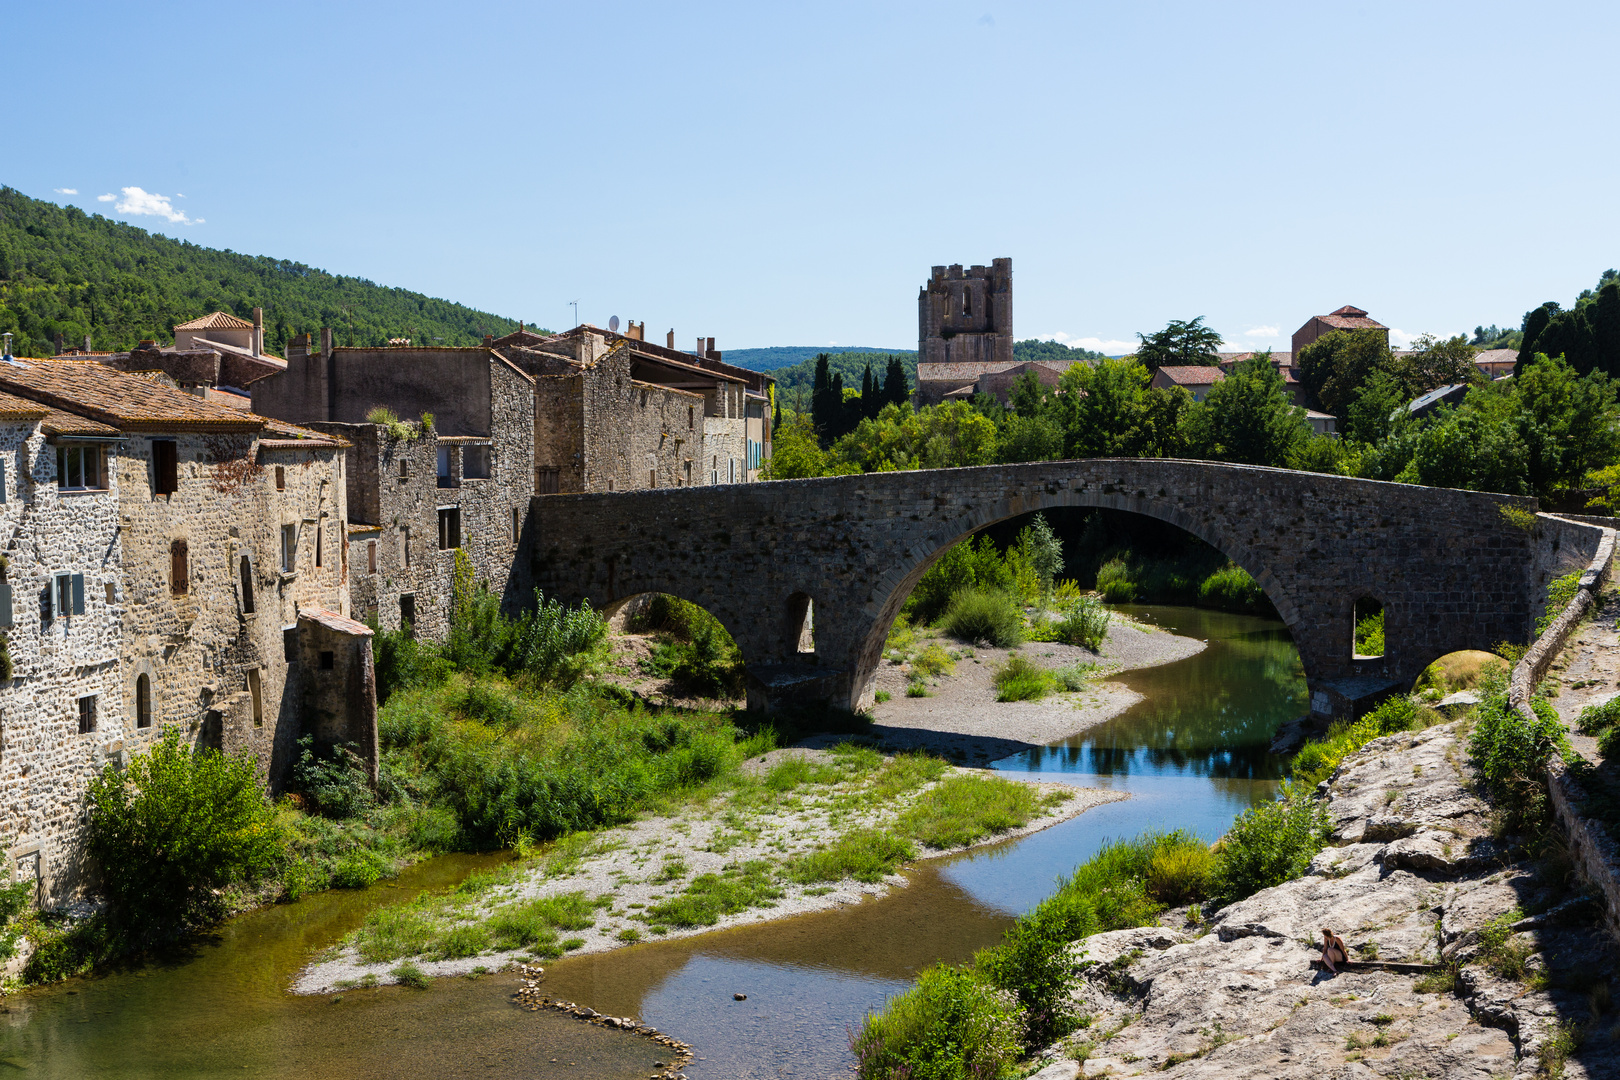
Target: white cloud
[(1400, 339), (1109, 347), (1261, 332), (67, 191), (146, 204), (105, 198)]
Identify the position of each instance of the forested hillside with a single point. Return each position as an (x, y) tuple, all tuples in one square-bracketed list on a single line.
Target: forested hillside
[(66, 272), (781, 356), (801, 377)]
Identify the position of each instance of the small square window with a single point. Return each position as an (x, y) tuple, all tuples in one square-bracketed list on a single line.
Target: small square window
[(328, 660)]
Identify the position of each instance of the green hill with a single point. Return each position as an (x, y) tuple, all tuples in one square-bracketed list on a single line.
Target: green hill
[(66, 272), (781, 356), (801, 377)]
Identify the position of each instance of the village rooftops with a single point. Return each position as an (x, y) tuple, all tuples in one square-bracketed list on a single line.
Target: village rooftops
[(967, 371), (125, 401), (218, 320), (1191, 374), (647, 351)]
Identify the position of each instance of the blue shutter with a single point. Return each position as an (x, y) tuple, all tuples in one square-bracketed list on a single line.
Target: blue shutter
[(78, 594), (5, 605)]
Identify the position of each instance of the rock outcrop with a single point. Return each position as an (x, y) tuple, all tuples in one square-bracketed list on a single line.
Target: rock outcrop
[(1412, 879)]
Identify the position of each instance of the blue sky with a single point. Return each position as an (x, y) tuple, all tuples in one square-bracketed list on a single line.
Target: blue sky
[(773, 174)]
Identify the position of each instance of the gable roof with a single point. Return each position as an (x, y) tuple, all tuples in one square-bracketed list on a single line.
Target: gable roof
[(1192, 374), (1351, 318), (219, 320), (16, 408), (1351, 311), (126, 401)]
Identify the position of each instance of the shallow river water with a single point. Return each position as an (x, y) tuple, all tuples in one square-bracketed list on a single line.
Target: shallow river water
[(1192, 754)]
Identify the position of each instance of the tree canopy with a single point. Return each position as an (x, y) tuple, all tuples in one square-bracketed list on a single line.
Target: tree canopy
[(1587, 334), (1184, 344), (65, 272)]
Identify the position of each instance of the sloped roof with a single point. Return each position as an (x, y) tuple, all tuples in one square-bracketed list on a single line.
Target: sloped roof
[(1351, 318), (57, 422), (16, 408), (219, 320), (333, 621), (280, 434), (119, 398), (1497, 356), (1351, 311), (1192, 374)]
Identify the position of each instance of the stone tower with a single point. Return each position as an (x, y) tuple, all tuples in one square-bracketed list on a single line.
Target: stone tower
[(966, 317)]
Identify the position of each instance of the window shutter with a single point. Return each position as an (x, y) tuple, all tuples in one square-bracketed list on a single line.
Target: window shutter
[(78, 594), (2, 483), (5, 605), (45, 610)]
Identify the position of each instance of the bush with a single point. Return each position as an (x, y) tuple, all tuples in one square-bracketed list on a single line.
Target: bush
[(987, 615), (1232, 588), (177, 829), (404, 663), (1084, 623), (1180, 870), (333, 781), (933, 661), (1513, 753), (552, 644), (360, 868), (1595, 719), (1270, 843), (1317, 760), (1370, 635), (1020, 680), (974, 563), (1035, 963), (1114, 582), (695, 652), (950, 1025), (1560, 591)]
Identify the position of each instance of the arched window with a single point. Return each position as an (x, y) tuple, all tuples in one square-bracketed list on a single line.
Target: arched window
[(143, 701), (967, 300)]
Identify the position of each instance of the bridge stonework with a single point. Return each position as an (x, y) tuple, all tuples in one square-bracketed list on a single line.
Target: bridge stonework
[(1452, 570)]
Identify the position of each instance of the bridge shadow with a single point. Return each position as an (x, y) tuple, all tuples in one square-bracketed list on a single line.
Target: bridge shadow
[(894, 738)]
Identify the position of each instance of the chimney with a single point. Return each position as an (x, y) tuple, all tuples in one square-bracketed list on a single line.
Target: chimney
[(670, 342), (61, 345), (700, 347), (297, 348), (87, 343), (708, 349), (258, 331)]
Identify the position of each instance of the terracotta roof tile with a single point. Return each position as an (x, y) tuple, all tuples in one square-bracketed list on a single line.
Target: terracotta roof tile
[(1352, 322), (130, 402), (1192, 374), (333, 621), (282, 433), (219, 320), (57, 422), (16, 408)]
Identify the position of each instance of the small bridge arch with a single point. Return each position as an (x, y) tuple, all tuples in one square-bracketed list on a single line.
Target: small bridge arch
[(1452, 569)]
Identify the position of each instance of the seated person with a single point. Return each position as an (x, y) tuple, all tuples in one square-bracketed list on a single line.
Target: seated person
[(1333, 950)]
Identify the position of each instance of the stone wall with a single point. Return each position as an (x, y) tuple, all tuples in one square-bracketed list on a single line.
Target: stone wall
[(965, 317), (46, 762), (1449, 568)]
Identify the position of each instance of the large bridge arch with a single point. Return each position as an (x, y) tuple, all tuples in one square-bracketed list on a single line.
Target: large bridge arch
[(1454, 571)]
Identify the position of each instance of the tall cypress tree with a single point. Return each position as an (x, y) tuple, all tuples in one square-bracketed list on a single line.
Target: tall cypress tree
[(895, 388), (871, 394), (824, 405)]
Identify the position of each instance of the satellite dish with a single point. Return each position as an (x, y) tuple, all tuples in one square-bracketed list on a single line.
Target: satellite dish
[(613, 324)]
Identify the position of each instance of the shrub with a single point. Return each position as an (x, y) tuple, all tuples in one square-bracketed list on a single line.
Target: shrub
[(14, 900), (1560, 591), (404, 663), (696, 652), (1512, 753), (916, 687), (332, 780), (412, 976), (951, 1024), (552, 644), (1318, 759), (1020, 680), (1180, 870), (974, 563), (1232, 588), (933, 661), (360, 868), (176, 829), (1270, 843), (1370, 635), (963, 809), (1035, 963), (988, 615), (1594, 719), (1114, 582), (1085, 624)]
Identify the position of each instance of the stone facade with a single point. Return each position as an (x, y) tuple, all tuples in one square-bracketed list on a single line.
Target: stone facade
[(966, 317), (1449, 568)]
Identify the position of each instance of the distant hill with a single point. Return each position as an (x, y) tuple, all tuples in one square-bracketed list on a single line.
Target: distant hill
[(66, 272), (781, 356), (801, 376)]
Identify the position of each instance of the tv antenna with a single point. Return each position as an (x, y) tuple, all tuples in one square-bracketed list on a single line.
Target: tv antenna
[(575, 305), (613, 324)]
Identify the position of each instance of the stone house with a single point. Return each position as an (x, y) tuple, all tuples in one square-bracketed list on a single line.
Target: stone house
[(175, 545), (417, 493), (1345, 318), (614, 412), (214, 357), (1198, 380)]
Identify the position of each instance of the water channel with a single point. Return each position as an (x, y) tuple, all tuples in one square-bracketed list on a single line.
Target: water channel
[(1192, 755)]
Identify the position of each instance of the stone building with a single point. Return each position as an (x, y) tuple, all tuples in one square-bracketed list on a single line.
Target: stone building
[(416, 491), (174, 545), (965, 317), (1345, 318), (614, 412), (961, 382)]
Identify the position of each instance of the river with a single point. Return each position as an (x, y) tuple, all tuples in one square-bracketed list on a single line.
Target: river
[(1192, 754)]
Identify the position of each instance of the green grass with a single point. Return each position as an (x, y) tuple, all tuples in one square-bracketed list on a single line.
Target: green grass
[(964, 809), (412, 976), (867, 855), (933, 662), (988, 615), (709, 896), (1020, 680)]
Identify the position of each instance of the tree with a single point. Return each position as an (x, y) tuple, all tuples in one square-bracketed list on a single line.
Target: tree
[(1334, 366), (1368, 417), (1433, 363), (1029, 395), (1587, 335), (1248, 418), (1102, 409), (1189, 344), (896, 390)]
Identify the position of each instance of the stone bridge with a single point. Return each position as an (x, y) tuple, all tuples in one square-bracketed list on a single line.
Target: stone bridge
[(1451, 568)]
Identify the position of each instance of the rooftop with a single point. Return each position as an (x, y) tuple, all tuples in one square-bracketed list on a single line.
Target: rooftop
[(1192, 374), (123, 400), (219, 320)]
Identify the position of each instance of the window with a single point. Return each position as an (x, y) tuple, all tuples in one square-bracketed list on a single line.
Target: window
[(281, 478), (691, 418), (178, 583), (407, 614), (967, 301), (328, 660), (371, 556), (475, 462), (320, 536), (245, 570), (143, 701), (449, 527), (165, 467), (545, 481), (517, 524), (405, 545), (652, 477), (63, 596), (112, 592), (289, 548), (2, 482), (404, 468), (445, 478), (256, 692), (78, 468), (87, 714)]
